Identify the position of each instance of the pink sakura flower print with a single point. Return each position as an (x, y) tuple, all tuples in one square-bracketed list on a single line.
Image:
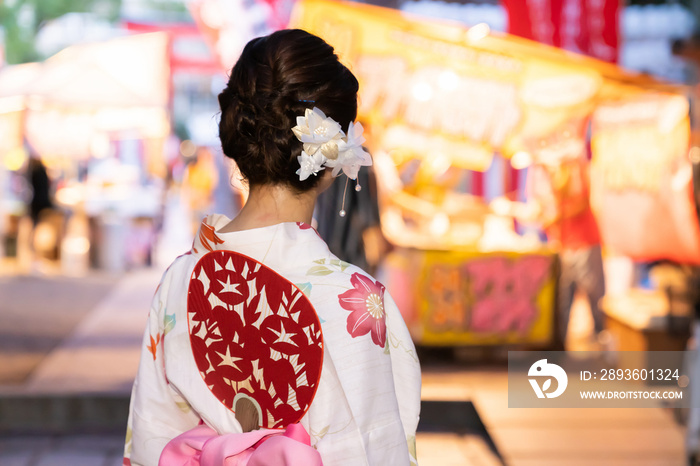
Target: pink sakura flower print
[(366, 303)]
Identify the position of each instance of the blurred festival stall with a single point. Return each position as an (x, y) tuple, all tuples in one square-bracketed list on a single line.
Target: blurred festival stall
[(455, 117), (97, 115), (645, 200)]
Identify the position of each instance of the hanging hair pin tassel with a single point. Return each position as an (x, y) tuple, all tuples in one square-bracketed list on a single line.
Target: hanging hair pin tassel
[(358, 188), (342, 212)]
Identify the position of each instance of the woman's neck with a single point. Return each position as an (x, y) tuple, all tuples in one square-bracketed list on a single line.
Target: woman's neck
[(270, 205)]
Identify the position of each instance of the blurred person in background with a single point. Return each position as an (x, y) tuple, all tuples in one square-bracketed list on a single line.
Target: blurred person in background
[(40, 184), (199, 181), (559, 192), (39, 205), (355, 237)]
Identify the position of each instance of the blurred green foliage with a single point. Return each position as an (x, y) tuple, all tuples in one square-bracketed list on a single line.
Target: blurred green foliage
[(168, 6), (21, 20)]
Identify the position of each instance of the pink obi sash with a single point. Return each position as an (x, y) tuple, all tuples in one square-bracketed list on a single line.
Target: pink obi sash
[(202, 446)]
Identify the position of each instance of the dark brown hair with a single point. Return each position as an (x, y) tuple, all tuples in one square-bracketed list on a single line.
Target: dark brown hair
[(276, 78)]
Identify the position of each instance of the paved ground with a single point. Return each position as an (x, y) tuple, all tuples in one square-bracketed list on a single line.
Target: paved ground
[(554, 437), (62, 450), (38, 312), (87, 377)]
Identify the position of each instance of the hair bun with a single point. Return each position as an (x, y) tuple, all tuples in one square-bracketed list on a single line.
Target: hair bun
[(267, 90)]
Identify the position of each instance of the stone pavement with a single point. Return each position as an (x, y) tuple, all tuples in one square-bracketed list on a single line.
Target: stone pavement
[(71, 410), (62, 450), (38, 312), (553, 437), (102, 354)]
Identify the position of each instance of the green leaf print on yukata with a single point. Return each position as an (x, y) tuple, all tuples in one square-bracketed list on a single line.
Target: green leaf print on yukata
[(342, 264), (327, 268), (319, 270), (411, 439), (323, 432), (127, 440), (182, 404), (168, 323), (304, 288)]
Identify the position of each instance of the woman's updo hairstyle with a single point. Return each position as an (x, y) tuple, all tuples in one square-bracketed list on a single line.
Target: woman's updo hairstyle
[(276, 79)]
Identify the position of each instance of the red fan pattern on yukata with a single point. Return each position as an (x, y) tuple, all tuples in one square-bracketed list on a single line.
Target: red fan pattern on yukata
[(254, 334)]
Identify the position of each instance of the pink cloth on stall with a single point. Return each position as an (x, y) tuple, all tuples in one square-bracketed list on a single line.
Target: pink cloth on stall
[(202, 446)]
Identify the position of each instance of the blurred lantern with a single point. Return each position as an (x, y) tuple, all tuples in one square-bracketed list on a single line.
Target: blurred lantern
[(422, 92), (15, 158), (478, 32), (439, 225), (521, 159), (188, 148)]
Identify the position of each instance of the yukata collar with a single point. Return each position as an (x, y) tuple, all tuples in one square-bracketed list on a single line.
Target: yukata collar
[(209, 238)]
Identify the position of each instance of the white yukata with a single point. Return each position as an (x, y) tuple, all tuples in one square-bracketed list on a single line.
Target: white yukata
[(234, 317)]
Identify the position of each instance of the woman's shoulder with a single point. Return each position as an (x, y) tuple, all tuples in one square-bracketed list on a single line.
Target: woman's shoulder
[(345, 294), (177, 272)]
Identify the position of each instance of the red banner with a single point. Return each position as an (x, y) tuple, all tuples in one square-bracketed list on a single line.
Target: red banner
[(583, 26)]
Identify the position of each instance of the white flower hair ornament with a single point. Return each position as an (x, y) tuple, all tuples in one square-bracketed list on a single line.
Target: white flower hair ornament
[(326, 145)]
